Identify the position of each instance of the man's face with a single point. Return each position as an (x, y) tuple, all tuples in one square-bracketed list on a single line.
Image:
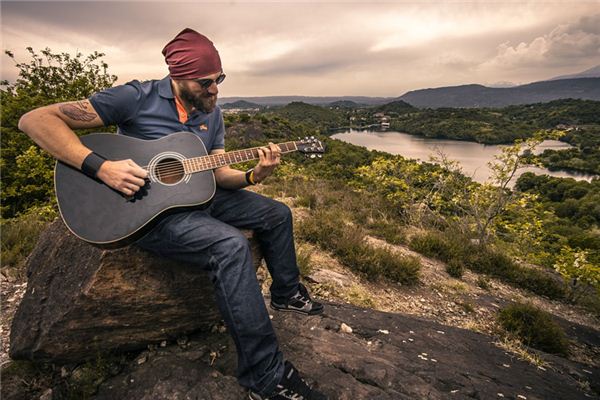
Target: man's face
[(201, 99)]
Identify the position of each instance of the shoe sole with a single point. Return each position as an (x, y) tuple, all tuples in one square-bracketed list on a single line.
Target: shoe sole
[(297, 311)]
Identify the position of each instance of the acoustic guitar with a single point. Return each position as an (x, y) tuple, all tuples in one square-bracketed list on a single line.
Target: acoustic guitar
[(180, 175)]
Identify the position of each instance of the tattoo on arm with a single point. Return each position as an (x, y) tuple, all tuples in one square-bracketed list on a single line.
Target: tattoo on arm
[(77, 112)]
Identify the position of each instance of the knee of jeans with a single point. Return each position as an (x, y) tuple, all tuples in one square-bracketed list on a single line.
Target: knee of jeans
[(281, 213), (234, 245)]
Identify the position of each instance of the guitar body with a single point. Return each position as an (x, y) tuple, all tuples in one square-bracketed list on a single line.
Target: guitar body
[(103, 216)]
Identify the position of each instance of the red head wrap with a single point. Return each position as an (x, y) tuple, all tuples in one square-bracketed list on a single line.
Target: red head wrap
[(191, 55)]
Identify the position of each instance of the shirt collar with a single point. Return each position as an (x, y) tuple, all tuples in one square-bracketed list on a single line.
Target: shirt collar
[(164, 88)]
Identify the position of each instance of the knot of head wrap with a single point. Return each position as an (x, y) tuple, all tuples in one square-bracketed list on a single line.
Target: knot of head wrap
[(191, 55)]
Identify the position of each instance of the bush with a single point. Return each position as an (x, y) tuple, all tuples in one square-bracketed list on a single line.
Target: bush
[(329, 230), (455, 268), (458, 252), (436, 245), (19, 236), (534, 327)]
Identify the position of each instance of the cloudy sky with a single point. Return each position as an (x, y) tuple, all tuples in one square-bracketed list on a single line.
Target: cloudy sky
[(323, 48)]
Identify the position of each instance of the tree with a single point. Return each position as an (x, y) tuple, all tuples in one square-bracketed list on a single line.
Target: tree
[(582, 275), (46, 79)]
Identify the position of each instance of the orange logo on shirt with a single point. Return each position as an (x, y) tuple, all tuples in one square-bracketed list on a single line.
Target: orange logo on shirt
[(203, 127)]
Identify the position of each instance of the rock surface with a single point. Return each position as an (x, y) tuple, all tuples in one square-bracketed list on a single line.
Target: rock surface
[(81, 300), (415, 359)]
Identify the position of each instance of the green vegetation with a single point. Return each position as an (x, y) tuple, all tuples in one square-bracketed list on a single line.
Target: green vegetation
[(19, 236), (48, 78), (353, 194), (584, 157), (534, 327), (572, 215), (315, 117), (455, 250), (329, 230)]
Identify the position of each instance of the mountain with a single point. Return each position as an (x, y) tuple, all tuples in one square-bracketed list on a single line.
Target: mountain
[(593, 72), (397, 106), (344, 104), (314, 100), (475, 96), (241, 104)]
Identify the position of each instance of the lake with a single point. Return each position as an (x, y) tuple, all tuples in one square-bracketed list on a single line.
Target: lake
[(473, 157)]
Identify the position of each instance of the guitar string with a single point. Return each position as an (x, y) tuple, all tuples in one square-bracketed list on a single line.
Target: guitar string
[(177, 169), (207, 162), (240, 152)]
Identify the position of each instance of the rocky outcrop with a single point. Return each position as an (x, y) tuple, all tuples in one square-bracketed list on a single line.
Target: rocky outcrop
[(382, 356), (81, 300)]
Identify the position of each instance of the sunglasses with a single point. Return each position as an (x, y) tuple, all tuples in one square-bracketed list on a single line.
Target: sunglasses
[(206, 83)]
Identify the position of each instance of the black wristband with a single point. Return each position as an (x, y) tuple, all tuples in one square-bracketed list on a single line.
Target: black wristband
[(92, 164), (248, 177)]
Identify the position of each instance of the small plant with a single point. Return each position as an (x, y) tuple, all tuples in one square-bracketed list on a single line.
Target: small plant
[(467, 306), (330, 230), (455, 268), (308, 200), (19, 236), (303, 256), (437, 245), (534, 327), (483, 283), (359, 297)]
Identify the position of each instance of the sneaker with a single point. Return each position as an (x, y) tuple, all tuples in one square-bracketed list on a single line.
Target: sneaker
[(291, 387), (300, 302)]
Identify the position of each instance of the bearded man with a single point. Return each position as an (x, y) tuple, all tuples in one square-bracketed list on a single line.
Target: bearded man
[(186, 100)]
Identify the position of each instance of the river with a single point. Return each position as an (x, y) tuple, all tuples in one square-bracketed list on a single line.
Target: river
[(473, 157)]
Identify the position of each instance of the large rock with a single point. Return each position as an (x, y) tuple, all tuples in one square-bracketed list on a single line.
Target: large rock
[(82, 300), (385, 357)]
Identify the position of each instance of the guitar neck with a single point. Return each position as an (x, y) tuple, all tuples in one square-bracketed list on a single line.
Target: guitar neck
[(205, 163)]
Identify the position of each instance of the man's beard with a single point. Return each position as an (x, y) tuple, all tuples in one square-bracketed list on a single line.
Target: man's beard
[(204, 102)]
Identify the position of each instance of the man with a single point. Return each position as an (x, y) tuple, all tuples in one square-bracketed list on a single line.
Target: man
[(186, 101)]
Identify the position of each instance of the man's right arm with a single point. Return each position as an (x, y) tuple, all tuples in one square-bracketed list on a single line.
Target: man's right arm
[(51, 127)]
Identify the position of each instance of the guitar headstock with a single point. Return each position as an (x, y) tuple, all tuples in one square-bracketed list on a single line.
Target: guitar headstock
[(310, 147)]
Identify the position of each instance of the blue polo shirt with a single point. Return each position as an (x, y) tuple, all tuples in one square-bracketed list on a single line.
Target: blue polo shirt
[(148, 110)]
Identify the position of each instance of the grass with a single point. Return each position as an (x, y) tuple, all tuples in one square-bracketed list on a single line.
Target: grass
[(457, 252), (358, 296), (19, 236), (534, 327), (330, 230), (303, 259)]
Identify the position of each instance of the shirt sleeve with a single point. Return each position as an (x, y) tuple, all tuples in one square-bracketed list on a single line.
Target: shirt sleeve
[(219, 142), (119, 104)]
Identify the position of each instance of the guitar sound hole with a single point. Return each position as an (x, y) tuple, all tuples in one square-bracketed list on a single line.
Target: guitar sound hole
[(169, 171)]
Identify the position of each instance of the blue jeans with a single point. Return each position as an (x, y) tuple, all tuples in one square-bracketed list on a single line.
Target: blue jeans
[(210, 239)]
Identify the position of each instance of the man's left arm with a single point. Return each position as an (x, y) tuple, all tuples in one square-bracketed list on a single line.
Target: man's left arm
[(229, 178)]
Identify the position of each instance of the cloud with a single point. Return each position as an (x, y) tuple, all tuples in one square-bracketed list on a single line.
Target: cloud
[(316, 48), (568, 44)]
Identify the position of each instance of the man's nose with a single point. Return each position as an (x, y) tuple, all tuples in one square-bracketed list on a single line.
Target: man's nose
[(213, 88)]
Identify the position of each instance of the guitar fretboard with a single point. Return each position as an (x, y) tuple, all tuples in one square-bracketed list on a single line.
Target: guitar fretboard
[(205, 163)]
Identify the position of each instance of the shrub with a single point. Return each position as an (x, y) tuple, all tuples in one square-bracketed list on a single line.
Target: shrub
[(19, 236), (303, 256), (489, 261), (534, 327), (438, 245), (455, 268), (329, 230), (458, 252)]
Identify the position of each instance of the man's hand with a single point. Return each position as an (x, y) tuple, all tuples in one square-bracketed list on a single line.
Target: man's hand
[(269, 159), (125, 176)]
